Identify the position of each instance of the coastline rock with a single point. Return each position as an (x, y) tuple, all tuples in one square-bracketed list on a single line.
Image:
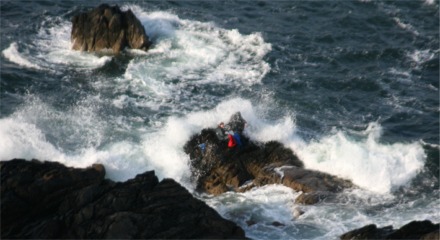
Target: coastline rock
[(217, 169), (413, 230), (107, 27), (43, 200)]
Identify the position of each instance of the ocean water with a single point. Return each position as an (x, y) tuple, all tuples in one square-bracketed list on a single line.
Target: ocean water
[(351, 86)]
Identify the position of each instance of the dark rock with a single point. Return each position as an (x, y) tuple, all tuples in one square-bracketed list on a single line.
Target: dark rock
[(413, 230), (250, 222), (368, 232), (48, 200), (218, 169), (277, 224), (434, 235), (108, 27), (310, 198)]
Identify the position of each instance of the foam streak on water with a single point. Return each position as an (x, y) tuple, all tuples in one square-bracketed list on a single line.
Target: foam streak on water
[(13, 55)]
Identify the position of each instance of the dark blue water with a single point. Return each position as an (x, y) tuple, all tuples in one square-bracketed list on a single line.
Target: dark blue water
[(351, 86)]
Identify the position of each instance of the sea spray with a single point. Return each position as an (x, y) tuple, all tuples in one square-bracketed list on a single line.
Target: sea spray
[(164, 148), (360, 160), (23, 140), (360, 157), (365, 159)]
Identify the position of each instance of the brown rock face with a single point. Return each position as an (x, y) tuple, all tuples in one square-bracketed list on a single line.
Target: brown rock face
[(46, 200), (108, 27)]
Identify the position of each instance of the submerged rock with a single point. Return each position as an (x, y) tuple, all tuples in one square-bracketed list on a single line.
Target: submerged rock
[(216, 168), (413, 230), (43, 200), (108, 27)]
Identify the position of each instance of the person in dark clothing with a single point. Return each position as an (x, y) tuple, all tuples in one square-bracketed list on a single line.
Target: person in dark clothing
[(236, 123), (220, 132)]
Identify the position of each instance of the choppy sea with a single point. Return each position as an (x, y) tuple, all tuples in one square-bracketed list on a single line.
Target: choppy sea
[(351, 86)]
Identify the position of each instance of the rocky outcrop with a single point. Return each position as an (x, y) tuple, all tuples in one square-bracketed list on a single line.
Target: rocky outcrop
[(107, 27), (413, 230), (216, 168), (43, 200)]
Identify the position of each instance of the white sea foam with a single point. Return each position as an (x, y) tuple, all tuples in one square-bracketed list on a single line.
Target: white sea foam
[(419, 57), (13, 55), (183, 49), (189, 53), (261, 207), (370, 164), (19, 139), (256, 210), (405, 74), (51, 50), (429, 2), (79, 136), (23, 140), (430, 144), (360, 158), (406, 26), (76, 137), (26, 133), (54, 47), (164, 148)]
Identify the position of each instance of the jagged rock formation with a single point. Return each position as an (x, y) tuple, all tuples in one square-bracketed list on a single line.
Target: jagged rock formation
[(108, 27), (217, 168), (48, 200), (413, 230)]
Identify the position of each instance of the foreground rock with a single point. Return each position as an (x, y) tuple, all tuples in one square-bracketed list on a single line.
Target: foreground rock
[(108, 27), (413, 230), (48, 200), (218, 169)]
